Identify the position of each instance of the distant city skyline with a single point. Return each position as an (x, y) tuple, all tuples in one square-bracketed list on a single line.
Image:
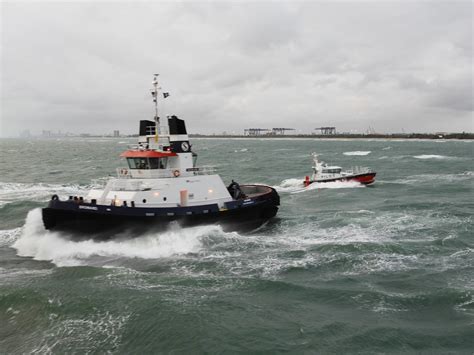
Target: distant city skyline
[(387, 67)]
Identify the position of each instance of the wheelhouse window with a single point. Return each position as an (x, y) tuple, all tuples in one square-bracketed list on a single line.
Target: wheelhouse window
[(332, 171), (147, 163), (158, 163)]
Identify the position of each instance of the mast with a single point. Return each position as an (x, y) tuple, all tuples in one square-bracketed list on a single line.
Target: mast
[(154, 93)]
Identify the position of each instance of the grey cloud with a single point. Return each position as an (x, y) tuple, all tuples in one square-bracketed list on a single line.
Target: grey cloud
[(87, 67)]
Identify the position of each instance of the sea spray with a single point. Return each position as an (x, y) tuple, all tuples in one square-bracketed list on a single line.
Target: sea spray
[(41, 244)]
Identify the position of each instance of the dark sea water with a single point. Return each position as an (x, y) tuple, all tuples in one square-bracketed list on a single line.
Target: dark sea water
[(344, 269)]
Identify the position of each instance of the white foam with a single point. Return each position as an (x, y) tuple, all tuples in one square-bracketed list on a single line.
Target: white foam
[(11, 191), (358, 152), (40, 244), (99, 330), (431, 156), (9, 236), (334, 185), (290, 185), (297, 185)]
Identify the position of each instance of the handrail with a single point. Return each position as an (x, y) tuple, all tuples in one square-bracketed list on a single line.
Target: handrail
[(125, 173), (203, 170)]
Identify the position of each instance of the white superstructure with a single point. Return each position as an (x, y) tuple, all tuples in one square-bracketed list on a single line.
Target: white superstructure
[(161, 170)]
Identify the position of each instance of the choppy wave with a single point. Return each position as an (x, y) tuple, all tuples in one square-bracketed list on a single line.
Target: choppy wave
[(422, 178), (346, 243), (394, 157), (358, 152), (101, 330)]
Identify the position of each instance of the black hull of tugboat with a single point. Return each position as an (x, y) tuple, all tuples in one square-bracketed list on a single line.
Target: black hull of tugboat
[(83, 220)]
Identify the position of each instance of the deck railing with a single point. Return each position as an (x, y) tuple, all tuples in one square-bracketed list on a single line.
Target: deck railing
[(125, 173), (359, 170)]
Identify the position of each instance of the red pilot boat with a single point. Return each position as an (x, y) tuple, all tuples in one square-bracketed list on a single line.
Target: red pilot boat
[(325, 173)]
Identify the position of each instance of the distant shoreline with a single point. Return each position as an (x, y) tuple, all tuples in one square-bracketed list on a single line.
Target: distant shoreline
[(427, 136), (347, 136)]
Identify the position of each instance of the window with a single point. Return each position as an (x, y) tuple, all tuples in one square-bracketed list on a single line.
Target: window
[(138, 163), (158, 163), (163, 163), (154, 163), (332, 171), (147, 163), (142, 163), (131, 163)]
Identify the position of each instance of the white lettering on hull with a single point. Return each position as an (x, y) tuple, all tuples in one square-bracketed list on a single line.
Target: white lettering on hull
[(88, 208)]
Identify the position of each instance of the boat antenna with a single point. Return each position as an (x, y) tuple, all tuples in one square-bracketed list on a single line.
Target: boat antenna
[(154, 93)]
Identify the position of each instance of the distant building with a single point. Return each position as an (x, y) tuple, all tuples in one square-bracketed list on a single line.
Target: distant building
[(25, 134), (117, 133)]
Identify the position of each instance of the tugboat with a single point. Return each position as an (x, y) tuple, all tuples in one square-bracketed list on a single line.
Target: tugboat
[(325, 173), (161, 184)]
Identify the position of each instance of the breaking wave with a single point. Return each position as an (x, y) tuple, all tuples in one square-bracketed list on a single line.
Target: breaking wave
[(431, 156), (36, 242), (358, 152)]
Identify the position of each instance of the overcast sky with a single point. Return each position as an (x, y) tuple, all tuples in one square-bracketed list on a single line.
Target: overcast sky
[(87, 67)]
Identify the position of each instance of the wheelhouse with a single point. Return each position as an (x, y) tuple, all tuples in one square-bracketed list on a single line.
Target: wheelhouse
[(147, 159)]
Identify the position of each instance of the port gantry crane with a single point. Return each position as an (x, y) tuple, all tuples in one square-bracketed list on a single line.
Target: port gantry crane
[(254, 131), (326, 130), (281, 131)]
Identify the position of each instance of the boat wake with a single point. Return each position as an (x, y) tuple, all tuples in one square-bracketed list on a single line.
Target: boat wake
[(297, 185), (36, 242)]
